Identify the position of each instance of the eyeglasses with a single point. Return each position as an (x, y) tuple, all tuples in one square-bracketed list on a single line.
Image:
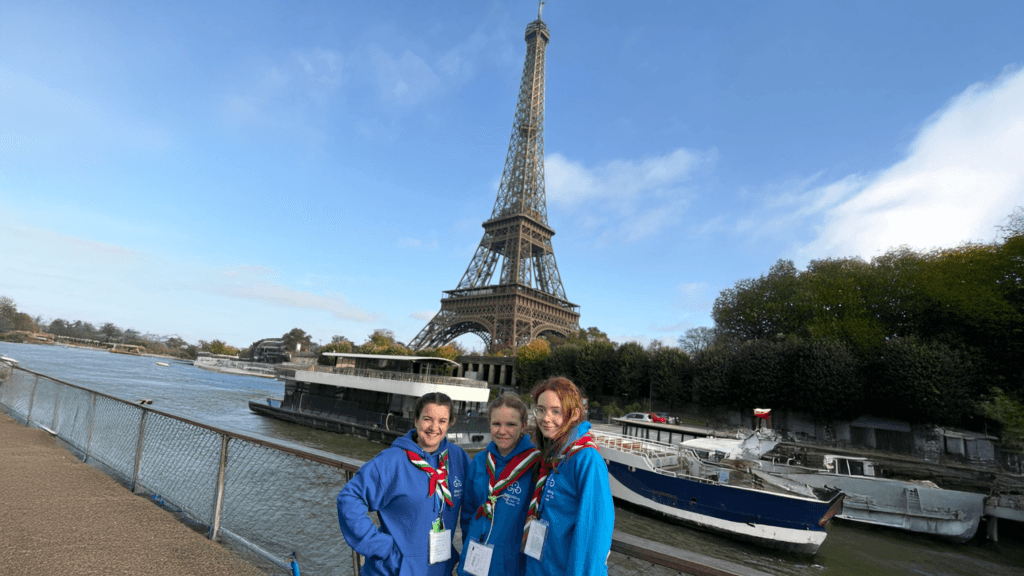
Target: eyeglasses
[(540, 411)]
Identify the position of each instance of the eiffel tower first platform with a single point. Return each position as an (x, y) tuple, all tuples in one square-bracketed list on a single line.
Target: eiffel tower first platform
[(526, 299)]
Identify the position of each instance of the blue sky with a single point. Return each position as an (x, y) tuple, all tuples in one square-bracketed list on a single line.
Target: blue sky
[(233, 170)]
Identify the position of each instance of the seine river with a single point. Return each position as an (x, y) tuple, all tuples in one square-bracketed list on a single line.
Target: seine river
[(222, 400)]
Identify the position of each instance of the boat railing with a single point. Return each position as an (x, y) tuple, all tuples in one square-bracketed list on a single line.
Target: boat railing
[(657, 454), (400, 376), (663, 458)]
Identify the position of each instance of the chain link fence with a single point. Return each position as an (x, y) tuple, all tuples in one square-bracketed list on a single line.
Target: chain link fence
[(270, 497)]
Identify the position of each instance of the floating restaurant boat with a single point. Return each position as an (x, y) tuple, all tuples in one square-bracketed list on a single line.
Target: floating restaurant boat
[(916, 506), (375, 395), (674, 480)]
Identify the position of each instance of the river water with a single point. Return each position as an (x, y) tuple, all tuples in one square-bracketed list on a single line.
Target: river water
[(222, 400)]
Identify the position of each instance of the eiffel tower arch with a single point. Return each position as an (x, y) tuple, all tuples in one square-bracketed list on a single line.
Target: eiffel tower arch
[(524, 298)]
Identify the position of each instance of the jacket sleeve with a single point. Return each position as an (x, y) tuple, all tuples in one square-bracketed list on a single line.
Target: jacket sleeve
[(595, 521), (364, 493)]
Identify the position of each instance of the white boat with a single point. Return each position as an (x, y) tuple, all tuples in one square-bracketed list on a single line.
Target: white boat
[(10, 361), (917, 506), (673, 480), (374, 395), (164, 364)]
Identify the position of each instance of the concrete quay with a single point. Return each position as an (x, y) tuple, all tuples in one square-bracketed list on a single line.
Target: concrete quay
[(60, 516)]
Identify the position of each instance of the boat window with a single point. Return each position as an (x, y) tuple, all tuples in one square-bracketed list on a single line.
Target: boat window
[(856, 468)]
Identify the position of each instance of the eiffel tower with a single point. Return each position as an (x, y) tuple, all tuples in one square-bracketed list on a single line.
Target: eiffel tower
[(528, 299)]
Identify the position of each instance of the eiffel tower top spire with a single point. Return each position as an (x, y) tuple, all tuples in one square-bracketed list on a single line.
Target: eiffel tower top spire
[(527, 298)]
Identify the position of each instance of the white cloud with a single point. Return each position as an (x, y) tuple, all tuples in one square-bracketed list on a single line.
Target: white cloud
[(630, 199), (57, 272), (417, 244), (963, 174), (424, 315)]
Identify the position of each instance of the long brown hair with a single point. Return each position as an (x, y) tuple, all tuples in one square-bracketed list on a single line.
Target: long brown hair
[(572, 409)]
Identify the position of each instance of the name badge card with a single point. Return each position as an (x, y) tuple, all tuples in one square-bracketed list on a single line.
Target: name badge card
[(478, 558), (440, 546), (536, 532)]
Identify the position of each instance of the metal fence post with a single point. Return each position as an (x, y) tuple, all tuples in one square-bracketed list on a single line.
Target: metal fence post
[(138, 449), (56, 405), (92, 421), (31, 401), (218, 504)]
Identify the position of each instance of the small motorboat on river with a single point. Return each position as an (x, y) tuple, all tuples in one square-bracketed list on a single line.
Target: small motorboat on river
[(916, 506), (674, 480)]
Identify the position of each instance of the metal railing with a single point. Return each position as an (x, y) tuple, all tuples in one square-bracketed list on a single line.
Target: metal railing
[(400, 376), (271, 497)]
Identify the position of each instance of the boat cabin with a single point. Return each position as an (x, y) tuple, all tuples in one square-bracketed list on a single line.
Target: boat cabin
[(849, 465), (380, 383)]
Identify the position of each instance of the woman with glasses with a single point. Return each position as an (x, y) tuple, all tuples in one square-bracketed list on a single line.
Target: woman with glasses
[(498, 494), (571, 516), (416, 488)]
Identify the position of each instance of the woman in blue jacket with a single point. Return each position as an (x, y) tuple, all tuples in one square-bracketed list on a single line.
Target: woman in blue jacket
[(416, 488), (571, 518), (498, 494)]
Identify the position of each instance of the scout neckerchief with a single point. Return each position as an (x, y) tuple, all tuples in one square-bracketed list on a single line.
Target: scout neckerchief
[(546, 466), (514, 470), (438, 477)]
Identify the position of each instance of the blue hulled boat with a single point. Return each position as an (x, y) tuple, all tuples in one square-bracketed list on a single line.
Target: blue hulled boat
[(673, 480)]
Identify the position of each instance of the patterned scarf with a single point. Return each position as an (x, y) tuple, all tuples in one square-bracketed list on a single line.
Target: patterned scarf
[(513, 471), (546, 466), (438, 477)]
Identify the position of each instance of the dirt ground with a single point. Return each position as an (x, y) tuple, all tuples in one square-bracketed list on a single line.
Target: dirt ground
[(60, 516)]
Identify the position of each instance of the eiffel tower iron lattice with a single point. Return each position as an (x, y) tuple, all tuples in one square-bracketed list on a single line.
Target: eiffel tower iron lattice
[(528, 298)]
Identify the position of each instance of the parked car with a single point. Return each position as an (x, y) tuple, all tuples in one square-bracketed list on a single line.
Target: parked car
[(641, 416), (669, 419)]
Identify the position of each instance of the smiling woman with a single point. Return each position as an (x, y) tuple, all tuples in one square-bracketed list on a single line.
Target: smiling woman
[(416, 488), (497, 494), (571, 516)]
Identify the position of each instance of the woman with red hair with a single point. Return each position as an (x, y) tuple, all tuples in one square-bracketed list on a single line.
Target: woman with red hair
[(571, 516)]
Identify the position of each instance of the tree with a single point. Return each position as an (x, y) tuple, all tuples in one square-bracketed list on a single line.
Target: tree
[(218, 347), (8, 310), (530, 362), (696, 339), (294, 337), (632, 379), (1014, 224), (110, 331)]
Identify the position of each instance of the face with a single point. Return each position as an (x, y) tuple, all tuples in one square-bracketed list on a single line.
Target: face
[(549, 414), (432, 426), (506, 428)]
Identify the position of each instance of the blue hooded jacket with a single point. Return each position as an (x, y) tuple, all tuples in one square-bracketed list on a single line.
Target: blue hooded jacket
[(392, 486), (577, 504), (509, 512)]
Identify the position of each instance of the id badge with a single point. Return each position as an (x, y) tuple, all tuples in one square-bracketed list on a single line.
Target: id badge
[(478, 558), (533, 542), (440, 546)]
